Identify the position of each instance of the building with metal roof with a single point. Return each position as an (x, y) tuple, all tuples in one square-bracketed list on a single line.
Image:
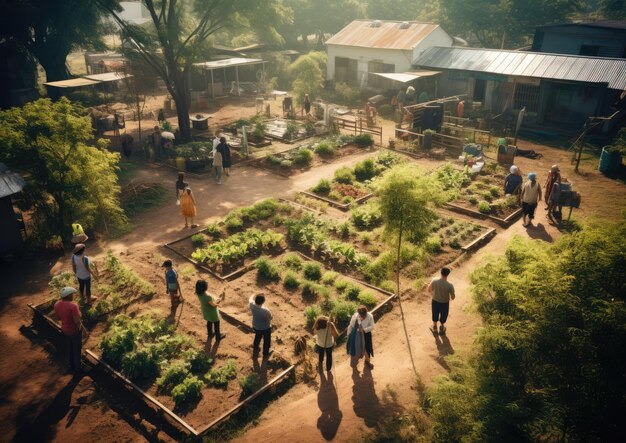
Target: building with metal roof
[(365, 47), (605, 38), (555, 89)]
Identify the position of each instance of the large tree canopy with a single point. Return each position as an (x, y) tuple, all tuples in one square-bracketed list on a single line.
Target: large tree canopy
[(51, 29), (69, 179), (178, 36)]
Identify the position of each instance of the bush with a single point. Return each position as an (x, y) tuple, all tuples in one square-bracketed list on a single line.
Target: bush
[(250, 383), (346, 93), (188, 392), (312, 271), (366, 217), (334, 195), (365, 170), (197, 240), (473, 200), (343, 229), (512, 201), (484, 207), (312, 289), (198, 362), (293, 261), (363, 140), (311, 313), (433, 244), (303, 157), (344, 175), (367, 299), (329, 277), (286, 164), (291, 280), (343, 310), (455, 243), (495, 191), (322, 187), (213, 229), (273, 159), (352, 292), (233, 223), (380, 268), (386, 111), (388, 286), (221, 376), (324, 149), (267, 269), (341, 285), (174, 375), (142, 363)]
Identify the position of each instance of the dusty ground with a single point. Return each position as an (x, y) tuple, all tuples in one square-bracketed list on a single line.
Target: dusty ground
[(40, 402)]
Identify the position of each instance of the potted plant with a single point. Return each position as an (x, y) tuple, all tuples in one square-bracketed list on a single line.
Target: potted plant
[(195, 155)]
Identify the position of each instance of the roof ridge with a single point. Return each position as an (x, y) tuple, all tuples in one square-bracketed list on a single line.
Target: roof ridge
[(532, 52)]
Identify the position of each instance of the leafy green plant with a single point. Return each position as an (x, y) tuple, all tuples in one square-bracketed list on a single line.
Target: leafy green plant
[(197, 239), (312, 271), (174, 375), (322, 187), (366, 217), (213, 229), (455, 243), (141, 363), (188, 392), (291, 280), (367, 299), (352, 291), (313, 289), (344, 175), (484, 207), (233, 223), (473, 200), (291, 131), (250, 383), (293, 261), (363, 140), (495, 191), (379, 269), (388, 286), (198, 362), (273, 159), (433, 244), (286, 164), (329, 277), (267, 269), (343, 310), (311, 313), (302, 157), (219, 377), (341, 285), (365, 170), (324, 149)]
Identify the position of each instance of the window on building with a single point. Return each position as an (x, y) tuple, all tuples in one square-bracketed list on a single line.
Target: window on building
[(526, 96), (345, 70)]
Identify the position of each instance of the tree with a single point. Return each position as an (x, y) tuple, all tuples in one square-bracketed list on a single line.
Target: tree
[(308, 74), (51, 29), (179, 34), (405, 10), (549, 361), (406, 204), (69, 179)]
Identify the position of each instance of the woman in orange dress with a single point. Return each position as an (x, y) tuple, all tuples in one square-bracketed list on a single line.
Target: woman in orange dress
[(188, 206)]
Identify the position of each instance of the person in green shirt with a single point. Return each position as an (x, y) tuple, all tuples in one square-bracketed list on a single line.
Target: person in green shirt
[(209, 310)]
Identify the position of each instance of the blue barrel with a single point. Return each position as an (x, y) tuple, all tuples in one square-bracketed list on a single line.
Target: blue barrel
[(609, 161)]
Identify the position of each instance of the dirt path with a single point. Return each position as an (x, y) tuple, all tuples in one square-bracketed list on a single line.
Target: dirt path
[(40, 404)]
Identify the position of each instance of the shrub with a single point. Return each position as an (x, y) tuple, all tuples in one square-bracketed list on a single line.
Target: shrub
[(302, 157), (363, 140), (473, 200), (365, 170), (142, 363), (324, 149), (267, 269), (213, 229), (341, 285), (512, 201), (484, 207), (312, 289), (291, 280), (174, 375), (455, 243), (495, 191), (380, 268), (334, 195), (344, 175), (233, 223), (198, 362), (293, 261), (346, 93), (286, 164), (366, 217), (343, 310), (386, 110), (352, 291), (322, 187), (311, 313), (433, 244), (347, 199), (221, 376), (312, 271), (329, 277), (388, 286), (343, 229), (273, 159), (197, 240), (250, 383), (368, 299), (188, 392)]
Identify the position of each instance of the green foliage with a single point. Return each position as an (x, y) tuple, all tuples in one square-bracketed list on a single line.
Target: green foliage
[(267, 269), (188, 392), (174, 375), (312, 271), (388, 286), (238, 246), (341, 285), (69, 178), (141, 363), (260, 211), (452, 180), (366, 217), (379, 269), (311, 313), (213, 229), (367, 299), (548, 363), (303, 157), (198, 362), (322, 187), (197, 239), (233, 223), (312, 289), (291, 280), (250, 383), (364, 140), (352, 291), (346, 93), (344, 175), (343, 310), (484, 207), (365, 170), (308, 75), (293, 261), (329, 277), (433, 244), (324, 149), (219, 377)]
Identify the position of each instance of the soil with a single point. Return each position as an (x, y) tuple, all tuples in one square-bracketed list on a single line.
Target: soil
[(41, 402)]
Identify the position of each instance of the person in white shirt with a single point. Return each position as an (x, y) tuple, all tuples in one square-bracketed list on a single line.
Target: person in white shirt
[(325, 336), (82, 269), (360, 336)]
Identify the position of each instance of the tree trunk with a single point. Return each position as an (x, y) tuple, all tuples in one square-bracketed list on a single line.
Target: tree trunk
[(182, 98), (56, 69)]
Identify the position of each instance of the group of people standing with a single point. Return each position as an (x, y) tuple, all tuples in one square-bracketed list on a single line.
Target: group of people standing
[(530, 192)]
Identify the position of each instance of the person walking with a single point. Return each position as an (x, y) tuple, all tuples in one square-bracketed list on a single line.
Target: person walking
[(127, 145), (218, 161), (513, 181), (531, 195), (224, 149), (554, 175), (172, 286), (325, 336), (157, 143), (442, 292), (306, 105), (188, 207), (554, 208), (71, 326), (82, 270), (262, 325), (209, 310), (181, 184), (360, 337)]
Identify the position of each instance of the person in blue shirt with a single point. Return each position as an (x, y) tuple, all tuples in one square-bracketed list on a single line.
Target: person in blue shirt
[(262, 325), (171, 282), (513, 181)]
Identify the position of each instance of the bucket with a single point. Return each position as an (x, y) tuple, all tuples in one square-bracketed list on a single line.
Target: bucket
[(609, 161), (180, 163)]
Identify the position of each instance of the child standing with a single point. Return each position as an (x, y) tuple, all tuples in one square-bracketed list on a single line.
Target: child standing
[(209, 310), (171, 282)]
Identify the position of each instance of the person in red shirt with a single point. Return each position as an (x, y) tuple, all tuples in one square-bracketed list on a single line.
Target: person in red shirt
[(68, 313)]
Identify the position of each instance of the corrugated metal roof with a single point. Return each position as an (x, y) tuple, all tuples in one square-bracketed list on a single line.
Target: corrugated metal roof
[(72, 83), (389, 35), (611, 24), (229, 62), (611, 71), (10, 182)]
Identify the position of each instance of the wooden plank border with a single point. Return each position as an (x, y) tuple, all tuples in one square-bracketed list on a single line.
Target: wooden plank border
[(506, 222), (341, 206)]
